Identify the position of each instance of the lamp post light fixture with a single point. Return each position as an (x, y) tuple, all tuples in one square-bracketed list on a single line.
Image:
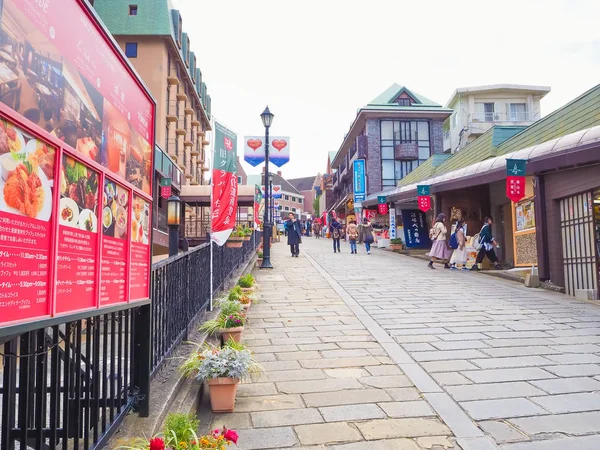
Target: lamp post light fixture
[(267, 120), (174, 221)]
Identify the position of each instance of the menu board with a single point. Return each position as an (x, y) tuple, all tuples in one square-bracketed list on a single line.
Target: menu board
[(73, 85), (140, 249), (77, 237), (75, 203), (26, 183), (114, 243)]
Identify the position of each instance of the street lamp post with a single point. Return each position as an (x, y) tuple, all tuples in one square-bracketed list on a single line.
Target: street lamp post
[(267, 120), (173, 220), (272, 199)]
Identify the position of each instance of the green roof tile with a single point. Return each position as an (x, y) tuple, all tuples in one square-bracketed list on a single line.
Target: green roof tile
[(152, 17), (388, 96)]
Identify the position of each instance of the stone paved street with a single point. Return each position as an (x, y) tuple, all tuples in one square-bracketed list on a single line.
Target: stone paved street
[(379, 352)]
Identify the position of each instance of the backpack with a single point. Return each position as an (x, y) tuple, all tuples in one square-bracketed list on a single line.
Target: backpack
[(336, 233), (454, 239), (476, 241)]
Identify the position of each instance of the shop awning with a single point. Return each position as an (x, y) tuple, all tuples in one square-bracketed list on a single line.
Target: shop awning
[(338, 204), (199, 195), (572, 149)]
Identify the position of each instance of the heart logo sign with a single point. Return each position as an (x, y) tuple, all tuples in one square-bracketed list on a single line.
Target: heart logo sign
[(254, 144), (280, 144), (276, 188)]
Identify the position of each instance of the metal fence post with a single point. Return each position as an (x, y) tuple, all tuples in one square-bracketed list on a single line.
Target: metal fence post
[(141, 358)]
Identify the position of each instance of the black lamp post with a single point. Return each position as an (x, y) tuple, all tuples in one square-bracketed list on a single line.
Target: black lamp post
[(267, 120), (272, 199), (173, 220)]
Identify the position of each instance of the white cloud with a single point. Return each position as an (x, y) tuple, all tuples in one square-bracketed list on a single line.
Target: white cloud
[(316, 62)]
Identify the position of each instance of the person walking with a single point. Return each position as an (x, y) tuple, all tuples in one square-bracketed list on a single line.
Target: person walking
[(308, 227), (366, 234), (488, 244), (439, 250), (294, 234), (336, 233), (316, 227), (352, 233), (459, 255)]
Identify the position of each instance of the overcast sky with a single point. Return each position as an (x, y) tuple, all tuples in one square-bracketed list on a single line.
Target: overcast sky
[(316, 62)]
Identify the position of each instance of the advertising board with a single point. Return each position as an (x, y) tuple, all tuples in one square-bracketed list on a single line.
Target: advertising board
[(76, 140)]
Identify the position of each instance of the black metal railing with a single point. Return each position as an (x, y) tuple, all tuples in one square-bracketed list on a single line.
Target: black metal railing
[(69, 385), (181, 291)]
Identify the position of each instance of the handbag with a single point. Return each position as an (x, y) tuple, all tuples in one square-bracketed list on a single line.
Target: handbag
[(369, 239)]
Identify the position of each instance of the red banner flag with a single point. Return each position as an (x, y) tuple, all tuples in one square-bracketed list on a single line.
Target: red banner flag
[(424, 202), (382, 208), (224, 185), (515, 188)]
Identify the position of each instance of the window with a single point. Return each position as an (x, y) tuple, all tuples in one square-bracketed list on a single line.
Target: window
[(454, 120), (518, 112), (133, 10), (394, 132), (404, 102), (293, 209), (239, 180), (286, 197), (299, 200), (484, 112), (293, 199), (286, 208), (131, 49)]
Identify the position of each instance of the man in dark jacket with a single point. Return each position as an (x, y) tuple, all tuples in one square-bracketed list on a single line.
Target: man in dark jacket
[(488, 244), (336, 233), (294, 234)]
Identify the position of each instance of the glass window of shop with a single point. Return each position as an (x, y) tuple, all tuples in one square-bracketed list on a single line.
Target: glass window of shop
[(597, 228), (394, 132)]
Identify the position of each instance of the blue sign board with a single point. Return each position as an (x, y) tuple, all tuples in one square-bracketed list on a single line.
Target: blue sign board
[(360, 181), (415, 229)]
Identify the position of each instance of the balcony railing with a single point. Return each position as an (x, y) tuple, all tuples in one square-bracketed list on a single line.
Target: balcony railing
[(501, 117)]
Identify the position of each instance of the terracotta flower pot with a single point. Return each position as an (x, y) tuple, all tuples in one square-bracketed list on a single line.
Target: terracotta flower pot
[(222, 394), (250, 289), (234, 244), (232, 333), (247, 306)]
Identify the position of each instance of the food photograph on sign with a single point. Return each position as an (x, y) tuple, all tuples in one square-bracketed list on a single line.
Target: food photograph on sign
[(115, 204), (27, 173), (78, 207), (140, 221)]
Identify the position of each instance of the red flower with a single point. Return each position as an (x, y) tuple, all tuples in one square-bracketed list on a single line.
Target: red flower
[(157, 444), (230, 435)]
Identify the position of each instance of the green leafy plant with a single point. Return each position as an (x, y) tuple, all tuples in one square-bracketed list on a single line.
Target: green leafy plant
[(229, 307), (223, 321), (247, 281), (396, 241), (248, 231), (260, 255), (180, 428), (235, 293)]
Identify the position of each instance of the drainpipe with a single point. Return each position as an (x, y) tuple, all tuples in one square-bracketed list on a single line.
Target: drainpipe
[(541, 235)]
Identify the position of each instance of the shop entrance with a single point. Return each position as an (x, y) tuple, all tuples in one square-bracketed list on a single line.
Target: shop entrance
[(597, 227), (579, 242)]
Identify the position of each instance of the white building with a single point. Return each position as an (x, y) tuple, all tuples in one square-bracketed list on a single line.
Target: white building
[(478, 108)]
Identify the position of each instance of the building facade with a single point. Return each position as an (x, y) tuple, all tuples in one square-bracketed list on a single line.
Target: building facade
[(478, 108), (394, 134), (150, 33), (306, 186)]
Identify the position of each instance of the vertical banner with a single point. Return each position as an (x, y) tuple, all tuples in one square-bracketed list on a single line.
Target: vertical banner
[(258, 196), (392, 223), (165, 188), (360, 185), (415, 229), (424, 199), (515, 179), (224, 185), (382, 206)]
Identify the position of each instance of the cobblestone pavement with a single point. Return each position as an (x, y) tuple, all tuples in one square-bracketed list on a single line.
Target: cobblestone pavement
[(379, 352)]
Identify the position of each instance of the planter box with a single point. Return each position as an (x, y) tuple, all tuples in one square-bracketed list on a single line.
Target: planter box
[(222, 393), (235, 242), (232, 333), (396, 247), (383, 243)]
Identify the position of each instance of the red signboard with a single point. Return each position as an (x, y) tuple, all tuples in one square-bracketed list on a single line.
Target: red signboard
[(424, 202), (165, 192), (515, 188), (382, 208), (67, 240)]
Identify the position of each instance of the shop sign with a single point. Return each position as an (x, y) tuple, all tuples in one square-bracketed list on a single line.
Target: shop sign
[(382, 206), (515, 179), (415, 229), (276, 192), (423, 197), (165, 188), (77, 237), (224, 197), (360, 182), (392, 223), (254, 150)]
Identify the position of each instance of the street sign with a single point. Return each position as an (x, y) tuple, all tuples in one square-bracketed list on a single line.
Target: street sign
[(165, 188), (423, 190), (360, 182), (515, 179)]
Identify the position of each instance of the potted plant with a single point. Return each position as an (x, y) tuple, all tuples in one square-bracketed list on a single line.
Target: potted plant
[(235, 293), (246, 283), (236, 238), (222, 368), (247, 233), (259, 258), (179, 433), (396, 244), (229, 325)]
